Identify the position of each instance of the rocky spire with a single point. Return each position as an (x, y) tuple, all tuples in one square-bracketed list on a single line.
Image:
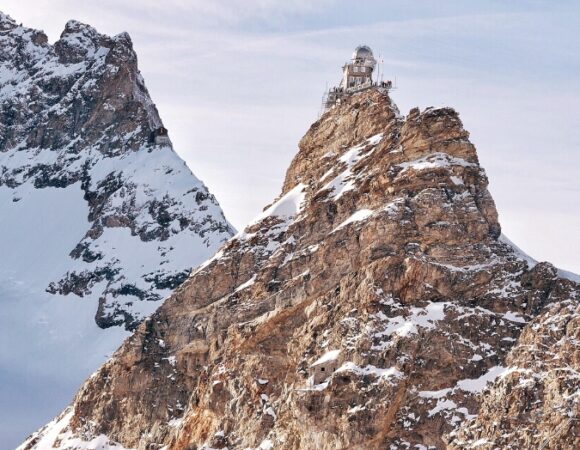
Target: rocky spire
[(382, 256)]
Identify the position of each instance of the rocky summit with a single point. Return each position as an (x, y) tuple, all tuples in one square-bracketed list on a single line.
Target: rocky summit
[(84, 154), (374, 305)]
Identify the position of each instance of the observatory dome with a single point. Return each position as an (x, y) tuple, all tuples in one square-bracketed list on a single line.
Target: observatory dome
[(362, 52)]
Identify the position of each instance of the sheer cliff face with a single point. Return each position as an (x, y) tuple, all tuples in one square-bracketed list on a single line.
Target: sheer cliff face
[(367, 307), (77, 131)]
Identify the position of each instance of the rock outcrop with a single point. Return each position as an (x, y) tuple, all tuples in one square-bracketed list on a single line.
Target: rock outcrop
[(77, 126), (535, 403), (382, 261)]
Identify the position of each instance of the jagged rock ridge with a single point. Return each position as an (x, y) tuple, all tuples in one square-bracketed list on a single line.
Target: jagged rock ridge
[(77, 126), (382, 262)]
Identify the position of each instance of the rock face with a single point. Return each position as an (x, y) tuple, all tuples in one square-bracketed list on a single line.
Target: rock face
[(535, 403), (79, 130), (368, 307)]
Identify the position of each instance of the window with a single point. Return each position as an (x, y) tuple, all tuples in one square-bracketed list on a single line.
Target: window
[(363, 69), (355, 69), (322, 369)]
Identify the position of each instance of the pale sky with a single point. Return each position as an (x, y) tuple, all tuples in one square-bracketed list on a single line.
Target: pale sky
[(238, 82)]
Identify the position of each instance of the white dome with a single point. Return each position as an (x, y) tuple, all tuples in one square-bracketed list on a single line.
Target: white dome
[(362, 52)]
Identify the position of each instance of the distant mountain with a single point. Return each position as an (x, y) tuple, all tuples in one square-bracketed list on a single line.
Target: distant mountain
[(374, 305), (97, 211)]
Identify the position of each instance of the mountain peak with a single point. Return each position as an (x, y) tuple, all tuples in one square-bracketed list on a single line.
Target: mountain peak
[(356, 118), (93, 128), (6, 22), (75, 26), (368, 306), (124, 37), (363, 148), (100, 218)]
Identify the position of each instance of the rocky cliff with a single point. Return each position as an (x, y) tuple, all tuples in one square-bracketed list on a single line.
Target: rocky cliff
[(78, 130), (374, 305)]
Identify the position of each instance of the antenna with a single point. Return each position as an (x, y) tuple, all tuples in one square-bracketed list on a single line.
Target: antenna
[(382, 68), (324, 100)]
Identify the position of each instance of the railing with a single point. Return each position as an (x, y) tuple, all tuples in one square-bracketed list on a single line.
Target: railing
[(363, 86), (334, 95), (365, 63)]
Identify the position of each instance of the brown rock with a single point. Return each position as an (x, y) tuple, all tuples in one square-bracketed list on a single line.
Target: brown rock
[(393, 259)]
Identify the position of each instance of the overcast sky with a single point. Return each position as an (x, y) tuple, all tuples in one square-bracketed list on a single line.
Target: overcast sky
[(238, 82)]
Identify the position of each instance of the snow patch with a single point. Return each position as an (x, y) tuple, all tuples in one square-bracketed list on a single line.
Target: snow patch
[(288, 206), (477, 385), (435, 394), (426, 317), (358, 216), (57, 435), (437, 160), (344, 181), (328, 356), (442, 404), (247, 284), (369, 369), (518, 251), (513, 317)]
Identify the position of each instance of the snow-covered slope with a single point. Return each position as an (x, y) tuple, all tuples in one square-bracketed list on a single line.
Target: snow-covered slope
[(532, 261), (99, 217)]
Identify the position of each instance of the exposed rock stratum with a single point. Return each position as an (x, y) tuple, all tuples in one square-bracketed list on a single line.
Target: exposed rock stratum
[(382, 261)]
